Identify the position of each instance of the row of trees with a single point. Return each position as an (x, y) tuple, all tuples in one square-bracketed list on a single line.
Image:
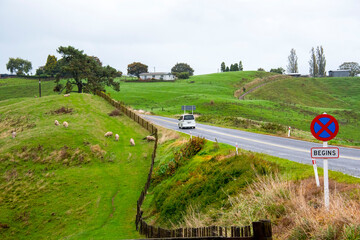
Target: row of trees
[(180, 70), (233, 67)]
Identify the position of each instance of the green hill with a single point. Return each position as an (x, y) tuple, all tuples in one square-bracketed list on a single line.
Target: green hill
[(269, 109), (72, 183)]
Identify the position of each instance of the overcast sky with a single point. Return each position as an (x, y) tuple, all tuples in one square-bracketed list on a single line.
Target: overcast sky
[(202, 33)]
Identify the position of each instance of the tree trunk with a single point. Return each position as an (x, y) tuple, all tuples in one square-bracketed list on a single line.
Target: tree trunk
[(80, 87)]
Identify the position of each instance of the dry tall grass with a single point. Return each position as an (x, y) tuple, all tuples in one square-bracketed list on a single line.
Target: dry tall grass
[(166, 134), (295, 208)]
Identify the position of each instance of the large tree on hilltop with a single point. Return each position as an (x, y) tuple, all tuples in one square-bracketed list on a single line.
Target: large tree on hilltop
[(136, 68), (86, 72), (182, 67), (18, 65)]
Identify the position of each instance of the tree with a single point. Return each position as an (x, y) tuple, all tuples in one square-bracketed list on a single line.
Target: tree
[(314, 69), (50, 65), (279, 70), (18, 65), (261, 69), (227, 69), (84, 71), (234, 67), (182, 67), (223, 67), (136, 68), (231, 67), (293, 64), (321, 61), (241, 66), (183, 75), (352, 66)]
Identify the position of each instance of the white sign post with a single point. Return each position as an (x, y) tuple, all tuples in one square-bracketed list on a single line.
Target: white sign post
[(324, 127), (326, 180), (316, 173), (289, 131), (237, 149)]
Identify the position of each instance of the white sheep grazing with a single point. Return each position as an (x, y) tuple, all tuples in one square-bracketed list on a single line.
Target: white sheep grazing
[(67, 95), (108, 134), (116, 137), (150, 138), (57, 123), (132, 142), (13, 134), (65, 124)]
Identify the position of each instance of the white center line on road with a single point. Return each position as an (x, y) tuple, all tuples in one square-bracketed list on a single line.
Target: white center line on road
[(257, 141)]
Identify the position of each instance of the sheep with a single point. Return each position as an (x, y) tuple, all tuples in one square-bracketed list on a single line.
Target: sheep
[(67, 95), (108, 134), (141, 111), (65, 124), (150, 138), (116, 137), (132, 142), (57, 123), (13, 134)]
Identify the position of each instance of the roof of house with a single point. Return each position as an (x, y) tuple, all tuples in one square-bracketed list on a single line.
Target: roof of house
[(346, 70), (154, 73)]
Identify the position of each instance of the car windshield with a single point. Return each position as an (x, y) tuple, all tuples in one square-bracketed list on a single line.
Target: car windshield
[(188, 117)]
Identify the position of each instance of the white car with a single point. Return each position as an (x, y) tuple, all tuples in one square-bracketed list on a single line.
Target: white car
[(187, 121)]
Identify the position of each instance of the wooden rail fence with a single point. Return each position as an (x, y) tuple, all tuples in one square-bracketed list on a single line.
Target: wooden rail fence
[(260, 230)]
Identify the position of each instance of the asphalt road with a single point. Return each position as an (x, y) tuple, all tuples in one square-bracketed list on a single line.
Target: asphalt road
[(294, 150)]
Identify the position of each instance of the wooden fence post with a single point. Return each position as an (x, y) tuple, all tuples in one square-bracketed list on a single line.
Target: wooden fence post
[(262, 230)]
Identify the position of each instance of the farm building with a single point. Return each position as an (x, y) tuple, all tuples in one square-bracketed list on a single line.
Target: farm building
[(157, 75), (339, 73)]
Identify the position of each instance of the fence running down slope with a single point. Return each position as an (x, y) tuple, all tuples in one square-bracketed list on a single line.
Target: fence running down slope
[(260, 230)]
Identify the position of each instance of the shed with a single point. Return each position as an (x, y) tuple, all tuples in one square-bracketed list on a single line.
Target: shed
[(339, 73)]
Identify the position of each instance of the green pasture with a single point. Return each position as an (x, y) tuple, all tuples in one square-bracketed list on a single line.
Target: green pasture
[(69, 183), (20, 87), (290, 102)]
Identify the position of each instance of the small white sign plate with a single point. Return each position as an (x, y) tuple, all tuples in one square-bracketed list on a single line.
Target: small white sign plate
[(325, 152)]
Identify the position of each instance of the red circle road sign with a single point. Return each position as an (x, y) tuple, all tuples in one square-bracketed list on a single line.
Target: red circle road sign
[(324, 127)]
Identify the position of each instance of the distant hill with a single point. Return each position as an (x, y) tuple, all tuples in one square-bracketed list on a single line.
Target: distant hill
[(272, 108)]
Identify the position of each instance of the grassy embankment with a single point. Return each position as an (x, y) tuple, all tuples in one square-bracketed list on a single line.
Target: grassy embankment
[(215, 187), (271, 109), (71, 183)]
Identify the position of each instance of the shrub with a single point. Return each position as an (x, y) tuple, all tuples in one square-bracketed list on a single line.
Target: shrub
[(183, 75), (115, 112)]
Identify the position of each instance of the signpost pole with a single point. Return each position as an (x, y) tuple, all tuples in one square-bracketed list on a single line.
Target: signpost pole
[(237, 149), (316, 173), (289, 131), (326, 180)]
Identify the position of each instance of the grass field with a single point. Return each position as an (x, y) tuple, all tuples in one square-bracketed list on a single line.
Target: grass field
[(289, 102), (71, 183), (20, 87)]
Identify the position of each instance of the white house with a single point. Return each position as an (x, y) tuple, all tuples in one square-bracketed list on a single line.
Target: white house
[(157, 76)]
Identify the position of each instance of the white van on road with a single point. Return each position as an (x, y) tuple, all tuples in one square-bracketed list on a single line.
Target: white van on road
[(187, 121)]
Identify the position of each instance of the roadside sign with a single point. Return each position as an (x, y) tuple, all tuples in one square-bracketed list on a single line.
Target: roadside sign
[(324, 127), (188, 108), (324, 152)]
